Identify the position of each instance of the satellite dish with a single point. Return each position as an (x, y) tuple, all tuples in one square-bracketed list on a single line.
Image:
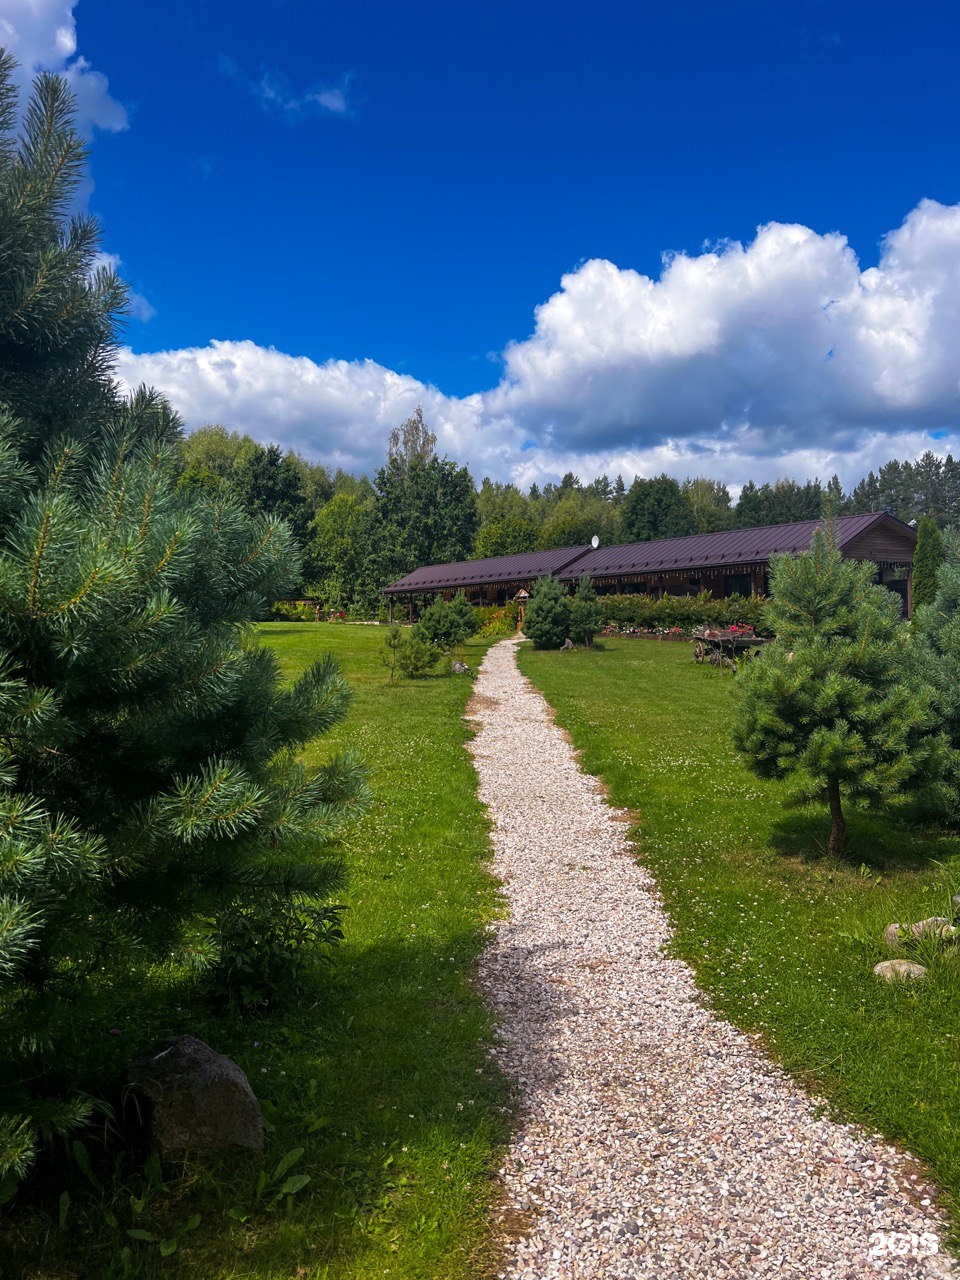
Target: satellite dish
[(594, 542)]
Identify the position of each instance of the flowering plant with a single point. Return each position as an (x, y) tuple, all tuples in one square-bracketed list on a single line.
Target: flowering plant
[(740, 629)]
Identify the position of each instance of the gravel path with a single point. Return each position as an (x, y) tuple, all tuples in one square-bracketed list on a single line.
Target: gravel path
[(654, 1140)]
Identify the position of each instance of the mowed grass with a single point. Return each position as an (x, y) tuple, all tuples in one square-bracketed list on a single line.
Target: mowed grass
[(383, 1078), (782, 937)]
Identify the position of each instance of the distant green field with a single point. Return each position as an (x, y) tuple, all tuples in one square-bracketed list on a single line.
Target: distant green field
[(384, 1080), (782, 937)]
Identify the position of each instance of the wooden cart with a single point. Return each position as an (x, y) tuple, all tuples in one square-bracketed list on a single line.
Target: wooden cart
[(722, 648)]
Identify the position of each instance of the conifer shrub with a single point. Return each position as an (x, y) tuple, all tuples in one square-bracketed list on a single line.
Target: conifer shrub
[(390, 650), (586, 615), (547, 618), (150, 791), (927, 561), (939, 646), (465, 620), (837, 701), (446, 623), (417, 657)]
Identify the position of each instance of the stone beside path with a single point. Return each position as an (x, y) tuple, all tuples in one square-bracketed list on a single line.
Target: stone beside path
[(655, 1140)]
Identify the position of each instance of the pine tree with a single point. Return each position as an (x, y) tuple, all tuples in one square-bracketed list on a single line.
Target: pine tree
[(60, 312), (446, 623), (836, 700), (547, 618), (153, 803), (586, 615), (465, 620), (940, 646), (927, 560)]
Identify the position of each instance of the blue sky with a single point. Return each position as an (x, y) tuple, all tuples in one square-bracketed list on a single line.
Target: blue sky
[(365, 205)]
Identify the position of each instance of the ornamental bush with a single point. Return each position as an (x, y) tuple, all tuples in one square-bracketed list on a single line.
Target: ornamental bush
[(547, 618), (293, 611), (498, 621)]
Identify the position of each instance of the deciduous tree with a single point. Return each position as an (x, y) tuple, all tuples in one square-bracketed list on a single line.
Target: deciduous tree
[(656, 509), (426, 509)]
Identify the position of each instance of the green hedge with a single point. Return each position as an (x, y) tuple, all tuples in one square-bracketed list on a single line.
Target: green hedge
[(294, 611), (647, 613)]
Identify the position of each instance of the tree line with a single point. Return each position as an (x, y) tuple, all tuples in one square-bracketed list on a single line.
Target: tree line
[(357, 533)]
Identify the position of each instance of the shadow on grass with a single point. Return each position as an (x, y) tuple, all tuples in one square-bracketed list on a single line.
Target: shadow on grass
[(386, 1083), (881, 842)]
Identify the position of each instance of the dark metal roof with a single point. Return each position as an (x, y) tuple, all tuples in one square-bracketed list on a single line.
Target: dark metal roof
[(665, 555), (523, 567), (716, 550)]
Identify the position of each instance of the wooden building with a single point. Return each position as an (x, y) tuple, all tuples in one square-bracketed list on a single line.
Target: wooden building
[(734, 562)]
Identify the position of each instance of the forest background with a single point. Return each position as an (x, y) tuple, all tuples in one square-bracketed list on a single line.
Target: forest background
[(358, 533)]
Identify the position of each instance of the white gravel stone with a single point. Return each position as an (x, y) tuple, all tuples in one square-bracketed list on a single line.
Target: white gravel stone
[(654, 1140)]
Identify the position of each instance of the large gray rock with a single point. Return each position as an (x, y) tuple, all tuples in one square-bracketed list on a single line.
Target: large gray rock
[(197, 1100), (899, 971)]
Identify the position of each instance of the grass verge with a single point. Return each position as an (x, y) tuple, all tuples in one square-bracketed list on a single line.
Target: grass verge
[(782, 937), (384, 1080)]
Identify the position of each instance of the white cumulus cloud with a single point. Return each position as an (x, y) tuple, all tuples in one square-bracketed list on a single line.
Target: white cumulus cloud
[(781, 356), (340, 411), (42, 35)]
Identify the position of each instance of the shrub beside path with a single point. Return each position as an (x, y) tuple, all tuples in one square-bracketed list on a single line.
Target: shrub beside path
[(654, 1140)]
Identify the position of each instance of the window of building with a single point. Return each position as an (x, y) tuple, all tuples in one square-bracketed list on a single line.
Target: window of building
[(736, 584)]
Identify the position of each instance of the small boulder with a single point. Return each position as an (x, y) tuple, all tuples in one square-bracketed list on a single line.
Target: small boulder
[(955, 903), (197, 1100), (891, 936), (899, 971), (460, 669), (932, 927)]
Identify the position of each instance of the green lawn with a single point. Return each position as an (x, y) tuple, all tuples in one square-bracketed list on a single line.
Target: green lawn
[(782, 937), (384, 1079)]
